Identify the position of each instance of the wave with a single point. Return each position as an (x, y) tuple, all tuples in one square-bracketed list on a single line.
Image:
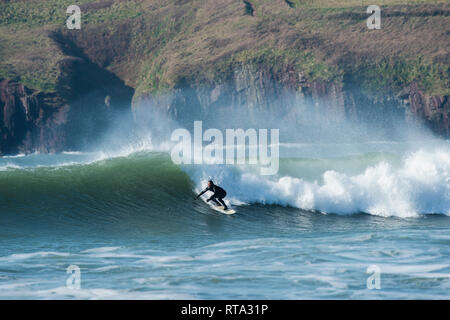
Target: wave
[(375, 183), (107, 190), (417, 184)]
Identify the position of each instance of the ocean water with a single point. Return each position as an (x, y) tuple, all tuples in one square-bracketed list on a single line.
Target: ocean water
[(129, 223)]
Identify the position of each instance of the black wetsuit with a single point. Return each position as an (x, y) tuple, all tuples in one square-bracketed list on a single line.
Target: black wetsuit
[(217, 197)]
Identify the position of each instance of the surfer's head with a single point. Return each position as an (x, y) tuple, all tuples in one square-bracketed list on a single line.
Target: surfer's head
[(210, 183)]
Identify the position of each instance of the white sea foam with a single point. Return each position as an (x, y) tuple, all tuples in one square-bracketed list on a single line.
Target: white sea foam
[(40, 254), (420, 185), (101, 249), (19, 155), (96, 293), (9, 166)]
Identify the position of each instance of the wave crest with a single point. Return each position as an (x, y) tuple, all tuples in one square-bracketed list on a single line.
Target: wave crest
[(420, 185)]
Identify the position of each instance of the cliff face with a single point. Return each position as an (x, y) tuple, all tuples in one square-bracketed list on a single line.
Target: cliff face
[(256, 96), (85, 104), (251, 97), (30, 121), (431, 111), (72, 119)]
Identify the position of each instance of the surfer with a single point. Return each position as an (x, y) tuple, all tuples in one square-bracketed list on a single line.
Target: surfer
[(217, 197)]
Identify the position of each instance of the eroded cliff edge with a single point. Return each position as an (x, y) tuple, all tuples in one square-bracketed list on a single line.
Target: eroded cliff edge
[(256, 96)]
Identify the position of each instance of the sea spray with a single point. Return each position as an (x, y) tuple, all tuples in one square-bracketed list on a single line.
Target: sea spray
[(190, 151)]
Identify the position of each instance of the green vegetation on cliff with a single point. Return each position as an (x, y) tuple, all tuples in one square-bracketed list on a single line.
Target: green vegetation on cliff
[(153, 45), (386, 76)]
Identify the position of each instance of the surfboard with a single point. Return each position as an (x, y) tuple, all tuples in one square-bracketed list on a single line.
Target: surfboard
[(222, 210)]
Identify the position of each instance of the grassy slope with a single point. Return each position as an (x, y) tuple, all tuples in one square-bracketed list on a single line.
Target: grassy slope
[(152, 44)]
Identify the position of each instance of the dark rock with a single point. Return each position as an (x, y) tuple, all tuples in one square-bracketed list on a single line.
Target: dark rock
[(30, 121), (431, 111)]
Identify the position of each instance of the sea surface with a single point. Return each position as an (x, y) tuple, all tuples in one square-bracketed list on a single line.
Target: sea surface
[(128, 225)]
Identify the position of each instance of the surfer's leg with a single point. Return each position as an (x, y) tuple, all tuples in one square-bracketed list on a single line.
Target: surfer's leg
[(223, 203), (215, 201)]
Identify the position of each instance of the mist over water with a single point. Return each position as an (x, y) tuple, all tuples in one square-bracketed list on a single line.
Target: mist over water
[(347, 195)]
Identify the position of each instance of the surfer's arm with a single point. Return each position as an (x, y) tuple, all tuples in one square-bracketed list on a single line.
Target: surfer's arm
[(201, 193)]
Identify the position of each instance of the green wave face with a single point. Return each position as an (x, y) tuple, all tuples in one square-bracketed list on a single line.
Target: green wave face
[(104, 190)]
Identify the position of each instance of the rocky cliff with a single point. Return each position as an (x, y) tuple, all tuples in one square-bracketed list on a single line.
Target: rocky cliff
[(233, 63), (431, 111), (251, 97), (30, 121), (85, 105), (257, 96)]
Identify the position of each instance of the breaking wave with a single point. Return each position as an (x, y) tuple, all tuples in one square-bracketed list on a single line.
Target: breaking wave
[(377, 183)]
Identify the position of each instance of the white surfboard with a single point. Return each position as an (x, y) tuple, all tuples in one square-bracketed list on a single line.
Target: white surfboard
[(222, 210)]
